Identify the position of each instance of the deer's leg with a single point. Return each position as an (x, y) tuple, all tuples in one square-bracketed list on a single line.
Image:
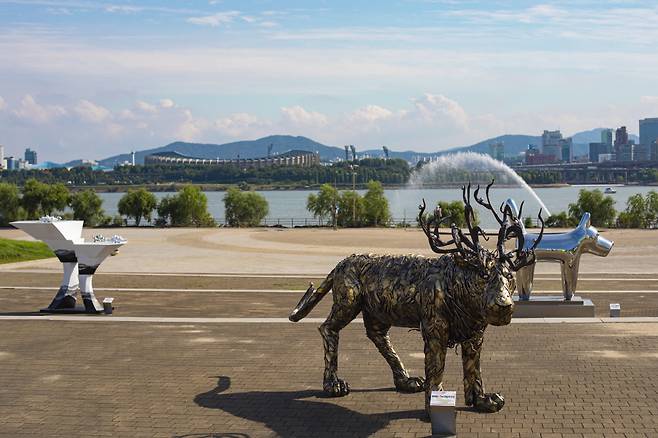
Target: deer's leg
[(340, 316), (377, 332), (435, 337), (474, 394)]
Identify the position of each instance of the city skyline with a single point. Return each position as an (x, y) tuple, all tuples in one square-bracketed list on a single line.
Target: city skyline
[(93, 79)]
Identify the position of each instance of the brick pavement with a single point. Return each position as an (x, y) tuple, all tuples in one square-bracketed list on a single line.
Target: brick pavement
[(141, 379)]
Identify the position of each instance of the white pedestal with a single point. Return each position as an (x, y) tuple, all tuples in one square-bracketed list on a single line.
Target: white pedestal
[(60, 236), (443, 413)]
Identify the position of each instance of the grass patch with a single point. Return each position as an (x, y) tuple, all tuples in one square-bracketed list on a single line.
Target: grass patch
[(12, 251)]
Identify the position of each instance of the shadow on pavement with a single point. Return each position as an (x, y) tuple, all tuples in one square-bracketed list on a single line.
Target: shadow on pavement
[(297, 413)]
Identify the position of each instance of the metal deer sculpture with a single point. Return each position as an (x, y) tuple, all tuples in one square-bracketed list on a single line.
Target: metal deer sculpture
[(451, 299)]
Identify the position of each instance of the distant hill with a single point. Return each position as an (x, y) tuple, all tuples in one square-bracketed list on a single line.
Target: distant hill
[(243, 149), (514, 145), (594, 136)]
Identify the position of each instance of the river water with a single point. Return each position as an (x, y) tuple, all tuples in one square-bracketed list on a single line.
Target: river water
[(403, 203)]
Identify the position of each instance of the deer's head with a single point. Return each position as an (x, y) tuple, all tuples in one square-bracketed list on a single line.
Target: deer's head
[(494, 268)]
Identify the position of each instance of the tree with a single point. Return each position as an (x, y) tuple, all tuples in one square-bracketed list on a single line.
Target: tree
[(10, 204), (601, 208), (323, 205), (376, 211), (43, 199), (138, 204), (457, 213), (187, 208), (560, 220), (351, 209), (244, 209), (640, 212), (86, 206)]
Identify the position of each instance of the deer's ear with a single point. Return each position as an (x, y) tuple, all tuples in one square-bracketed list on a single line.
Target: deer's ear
[(585, 221)]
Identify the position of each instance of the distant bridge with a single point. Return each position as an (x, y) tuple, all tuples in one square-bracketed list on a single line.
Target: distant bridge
[(604, 172)]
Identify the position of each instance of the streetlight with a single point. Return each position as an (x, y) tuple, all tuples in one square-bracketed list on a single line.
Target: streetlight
[(353, 168)]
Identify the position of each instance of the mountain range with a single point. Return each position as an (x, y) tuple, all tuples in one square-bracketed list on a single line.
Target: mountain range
[(514, 145)]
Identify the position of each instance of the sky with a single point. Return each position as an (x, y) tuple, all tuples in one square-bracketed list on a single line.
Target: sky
[(91, 79)]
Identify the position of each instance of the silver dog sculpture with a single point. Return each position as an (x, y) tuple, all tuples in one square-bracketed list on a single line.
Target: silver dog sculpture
[(564, 248)]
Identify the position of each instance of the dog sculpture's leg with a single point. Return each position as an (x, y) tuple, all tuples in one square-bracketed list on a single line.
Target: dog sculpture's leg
[(570, 277), (378, 333), (524, 279), (435, 337), (340, 316), (474, 394)]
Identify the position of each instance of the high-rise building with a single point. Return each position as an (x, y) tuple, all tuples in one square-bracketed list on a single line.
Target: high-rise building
[(550, 144), (621, 136), (2, 157), (497, 150), (31, 156), (648, 131), (566, 150), (598, 149), (606, 137)]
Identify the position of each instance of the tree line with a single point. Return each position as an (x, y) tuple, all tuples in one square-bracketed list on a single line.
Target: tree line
[(391, 171), (189, 207)]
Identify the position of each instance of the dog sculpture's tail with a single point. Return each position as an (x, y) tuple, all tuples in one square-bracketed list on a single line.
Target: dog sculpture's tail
[(311, 298)]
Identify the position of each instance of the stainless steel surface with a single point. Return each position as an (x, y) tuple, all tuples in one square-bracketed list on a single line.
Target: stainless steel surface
[(564, 248)]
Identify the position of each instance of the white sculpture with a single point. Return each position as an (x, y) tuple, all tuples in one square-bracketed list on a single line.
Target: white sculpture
[(79, 258)]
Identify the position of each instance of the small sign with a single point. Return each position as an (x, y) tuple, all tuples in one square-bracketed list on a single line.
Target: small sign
[(443, 398), (615, 306)]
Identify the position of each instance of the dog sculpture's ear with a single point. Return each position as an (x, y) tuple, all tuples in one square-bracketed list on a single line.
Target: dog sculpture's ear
[(585, 221)]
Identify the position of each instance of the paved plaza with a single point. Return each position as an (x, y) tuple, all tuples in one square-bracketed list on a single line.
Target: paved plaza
[(202, 348)]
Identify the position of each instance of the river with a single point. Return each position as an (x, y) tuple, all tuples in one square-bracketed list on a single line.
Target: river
[(403, 203)]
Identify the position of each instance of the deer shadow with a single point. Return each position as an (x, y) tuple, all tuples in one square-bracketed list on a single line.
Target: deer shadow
[(298, 413)]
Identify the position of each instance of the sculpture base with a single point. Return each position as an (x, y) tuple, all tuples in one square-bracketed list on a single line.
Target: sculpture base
[(553, 306), (74, 310)]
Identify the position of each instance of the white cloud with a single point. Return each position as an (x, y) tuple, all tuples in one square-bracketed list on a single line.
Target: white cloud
[(370, 113), (298, 116), (649, 99), (167, 103), (215, 20), (242, 125), (432, 107), (90, 112), (146, 107), (31, 110), (123, 9), (3, 104)]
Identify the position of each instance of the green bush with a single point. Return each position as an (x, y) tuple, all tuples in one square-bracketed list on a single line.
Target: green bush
[(641, 212), (560, 220), (351, 210), (187, 208), (600, 207), (43, 199), (86, 206), (323, 205), (138, 204), (10, 204), (375, 204), (244, 209)]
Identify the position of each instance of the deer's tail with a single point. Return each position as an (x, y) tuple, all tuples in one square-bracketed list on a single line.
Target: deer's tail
[(311, 298)]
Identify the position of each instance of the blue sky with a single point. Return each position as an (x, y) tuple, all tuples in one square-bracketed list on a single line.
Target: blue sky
[(83, 78)]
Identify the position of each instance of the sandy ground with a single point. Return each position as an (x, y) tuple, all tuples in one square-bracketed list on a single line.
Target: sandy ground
[(308, 251)]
